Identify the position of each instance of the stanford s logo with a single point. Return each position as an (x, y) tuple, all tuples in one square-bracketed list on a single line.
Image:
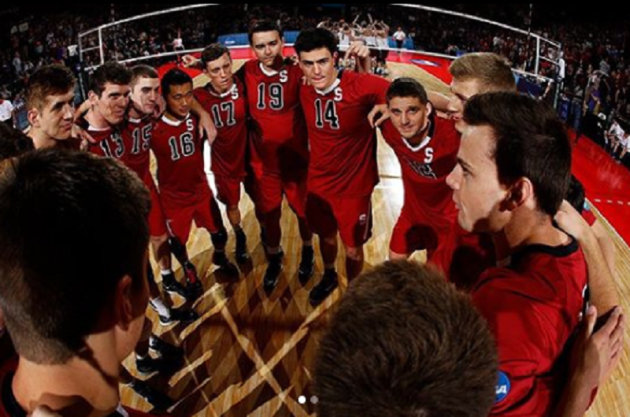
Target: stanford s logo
[(428, 153)]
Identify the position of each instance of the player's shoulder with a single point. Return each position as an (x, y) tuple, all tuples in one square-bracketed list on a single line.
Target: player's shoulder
[(445, 127), (250, 68), (389, 131)]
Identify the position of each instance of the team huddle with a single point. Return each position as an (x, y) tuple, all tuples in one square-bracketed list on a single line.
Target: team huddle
[(483, 187)]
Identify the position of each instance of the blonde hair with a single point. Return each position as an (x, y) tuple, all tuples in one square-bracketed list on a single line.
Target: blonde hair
[(490, 70)]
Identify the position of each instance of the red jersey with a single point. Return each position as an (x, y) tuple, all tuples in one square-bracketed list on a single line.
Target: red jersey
[(229, 111), (533, 308), (178, 149), (279, 136), (107, 142), (342, 142), (425, 168), (136, 135)]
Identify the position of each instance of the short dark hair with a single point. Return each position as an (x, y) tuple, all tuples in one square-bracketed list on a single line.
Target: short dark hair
[(212, 53), (405, 343), (72, 225), (13, 142), (174, 77), (407, 87), (263, 26), (530, 142), (576, 196), (110, 72), (47, 81), (143, 71), (315, 38)]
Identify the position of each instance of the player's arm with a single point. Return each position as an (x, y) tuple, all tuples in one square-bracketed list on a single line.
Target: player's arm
[(160, 107), (593, 357), (606, 245), (206, 124), (191, 62), (82, 110), (361, 53), (602, 287), (80, 125), (380, 113), (439, 100)]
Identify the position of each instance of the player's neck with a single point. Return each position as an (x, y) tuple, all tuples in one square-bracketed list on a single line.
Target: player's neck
[(175, 118), (40, 139), (133, 113), (86, 386), (221, 92), (278, 63), (420, 136), (332, 82), (526, 228), (96, 120)]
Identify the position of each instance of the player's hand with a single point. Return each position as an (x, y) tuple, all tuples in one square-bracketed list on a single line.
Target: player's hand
[(571, 221), (82, 110), (190, 61), (82, 134), (357, 49), (207, 127), (159, 108), (378, 115), (596, 353), (361, 53)]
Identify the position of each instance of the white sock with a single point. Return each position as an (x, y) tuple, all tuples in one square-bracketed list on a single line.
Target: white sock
[(162, 310)]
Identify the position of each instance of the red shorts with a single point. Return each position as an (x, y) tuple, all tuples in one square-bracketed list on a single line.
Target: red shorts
[(352, 217), (415, 231), (408, 237), (272, 188), (228, 190), (464, 256), (157, 219), (205, 212)]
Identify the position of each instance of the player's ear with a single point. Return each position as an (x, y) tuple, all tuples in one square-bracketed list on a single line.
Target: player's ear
[(92, 97), (33, 117), (429, 108), (519, 194)]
